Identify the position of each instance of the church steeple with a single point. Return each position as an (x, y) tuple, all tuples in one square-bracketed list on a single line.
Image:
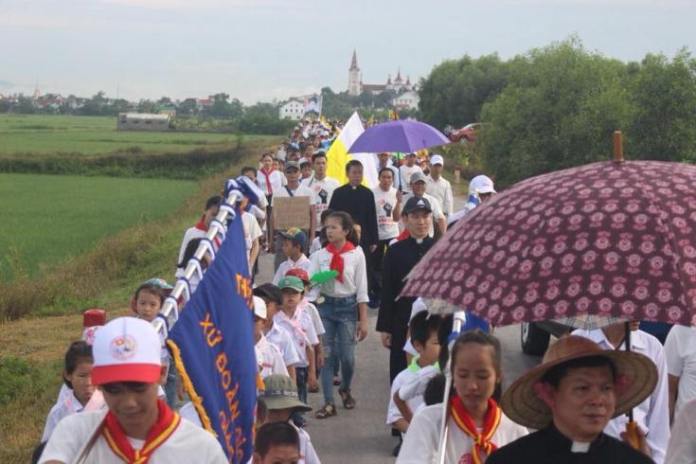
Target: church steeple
[(354, 62)]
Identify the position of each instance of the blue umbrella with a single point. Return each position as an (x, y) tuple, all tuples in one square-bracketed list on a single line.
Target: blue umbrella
[(404, 135)]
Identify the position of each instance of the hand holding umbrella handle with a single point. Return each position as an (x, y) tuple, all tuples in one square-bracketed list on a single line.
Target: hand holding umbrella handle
[(635, 437)]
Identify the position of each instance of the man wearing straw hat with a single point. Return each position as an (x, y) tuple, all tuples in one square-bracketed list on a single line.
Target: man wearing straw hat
[(570, 398), (137, 427)]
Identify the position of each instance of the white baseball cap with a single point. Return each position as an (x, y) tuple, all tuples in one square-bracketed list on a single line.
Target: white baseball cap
[(437, 159), (481, 184), (260, 309), (126, 349)]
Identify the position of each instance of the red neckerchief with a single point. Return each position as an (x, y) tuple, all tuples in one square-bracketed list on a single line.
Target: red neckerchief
[(167, 422), (267, 175), (200, 225), (337, 259), (482, 441), (403, 235)]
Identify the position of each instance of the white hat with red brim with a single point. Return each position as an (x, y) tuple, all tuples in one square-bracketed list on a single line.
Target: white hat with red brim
[(126, 350)]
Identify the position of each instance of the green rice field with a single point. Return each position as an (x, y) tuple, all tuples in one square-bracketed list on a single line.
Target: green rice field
[(94, 135), (46, 219)]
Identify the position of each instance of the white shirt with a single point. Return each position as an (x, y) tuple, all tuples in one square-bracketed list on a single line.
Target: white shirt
[(422, 440), (252, 231), (322, 190), (315, 246), (268, 358), (314, 315), (441, 189), (652, 415), (188, 443), (66, 405), (301, 330), (682, 445), (385, 203), (354, 274), (301, 263), (405, 173), (680, 352), (190, 234), (282, 339), (308, 455), (415, 404), (300, 191), (277, 181)]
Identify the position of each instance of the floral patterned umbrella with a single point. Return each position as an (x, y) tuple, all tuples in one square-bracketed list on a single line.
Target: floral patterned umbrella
[(613, 239)]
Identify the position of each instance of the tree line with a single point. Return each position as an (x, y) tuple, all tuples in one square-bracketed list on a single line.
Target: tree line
[(557, 107)]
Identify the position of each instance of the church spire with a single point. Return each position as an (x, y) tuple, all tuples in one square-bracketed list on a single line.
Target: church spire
[(354, 62), (398, 75)]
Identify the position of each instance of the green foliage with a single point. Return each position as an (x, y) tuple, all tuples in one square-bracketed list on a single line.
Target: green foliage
[(50, 218), (557, 106), (559, 109), (47, 134), (455, 91), (664, 93), (17, 378)]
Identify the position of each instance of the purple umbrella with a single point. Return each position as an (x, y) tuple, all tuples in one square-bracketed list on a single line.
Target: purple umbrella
[(405, 136)]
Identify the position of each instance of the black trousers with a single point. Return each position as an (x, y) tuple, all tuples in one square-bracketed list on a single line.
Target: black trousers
[(397, 355)]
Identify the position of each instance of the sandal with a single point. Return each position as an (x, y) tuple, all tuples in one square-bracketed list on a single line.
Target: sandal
[(347, 398), (313, 389), (327, 411)]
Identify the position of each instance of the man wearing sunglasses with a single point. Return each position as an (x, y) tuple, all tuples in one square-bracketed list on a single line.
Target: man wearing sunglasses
[(137, 427)]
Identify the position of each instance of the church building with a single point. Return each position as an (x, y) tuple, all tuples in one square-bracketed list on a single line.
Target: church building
[(356, 85)]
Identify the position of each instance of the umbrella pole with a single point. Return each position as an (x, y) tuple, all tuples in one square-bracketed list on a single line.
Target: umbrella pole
[(633, 437), (458, 322)]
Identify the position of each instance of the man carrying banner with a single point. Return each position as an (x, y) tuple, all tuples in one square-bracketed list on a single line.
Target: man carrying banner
[(137, 427)]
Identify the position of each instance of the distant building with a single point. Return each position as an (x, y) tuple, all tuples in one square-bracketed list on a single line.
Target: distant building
[(143, 122), (406, 101), (293, 109), (356, 85)]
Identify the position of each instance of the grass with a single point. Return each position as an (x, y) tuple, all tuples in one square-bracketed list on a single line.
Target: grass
[(47, 219), (31, 348), (96, 135)]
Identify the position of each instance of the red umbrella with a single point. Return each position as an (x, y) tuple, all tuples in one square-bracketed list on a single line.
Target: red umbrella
[(614, 239)]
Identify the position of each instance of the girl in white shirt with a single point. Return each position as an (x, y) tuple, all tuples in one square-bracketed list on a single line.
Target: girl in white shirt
[(476, 424), (344, 309), (77, 377)]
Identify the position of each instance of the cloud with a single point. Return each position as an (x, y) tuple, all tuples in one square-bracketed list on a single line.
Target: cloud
[(6, 84)]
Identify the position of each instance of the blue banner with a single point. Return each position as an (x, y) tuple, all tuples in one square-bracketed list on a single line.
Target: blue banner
[(212, 345)]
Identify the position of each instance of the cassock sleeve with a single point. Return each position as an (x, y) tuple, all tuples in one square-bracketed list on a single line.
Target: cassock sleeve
[(386, 305), (373, 237)]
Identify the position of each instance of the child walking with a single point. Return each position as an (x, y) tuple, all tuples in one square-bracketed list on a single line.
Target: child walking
[(77, 377), (344, 309), (476, 424)]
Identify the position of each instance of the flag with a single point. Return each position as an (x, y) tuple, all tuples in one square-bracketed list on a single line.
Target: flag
[(338, 156), (212, 346)]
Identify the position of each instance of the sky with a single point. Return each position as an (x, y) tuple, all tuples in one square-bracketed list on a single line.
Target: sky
[(261, 50)]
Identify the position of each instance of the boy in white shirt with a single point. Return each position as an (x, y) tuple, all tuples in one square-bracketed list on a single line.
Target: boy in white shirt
[(423, 328), (299, 324), (128, 370), (268, 356), (281, 400), (294, 242), (321, 185), (281, 338)]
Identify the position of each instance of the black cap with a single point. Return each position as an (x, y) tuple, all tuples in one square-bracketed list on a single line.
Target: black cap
[(416, 203), (270, 292)]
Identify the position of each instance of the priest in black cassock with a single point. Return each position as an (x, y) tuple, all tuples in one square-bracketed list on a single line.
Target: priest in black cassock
[(359, 201), (399, 259), (570, 398)]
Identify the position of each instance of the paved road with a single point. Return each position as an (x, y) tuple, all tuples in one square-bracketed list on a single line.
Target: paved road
[(360, 435)]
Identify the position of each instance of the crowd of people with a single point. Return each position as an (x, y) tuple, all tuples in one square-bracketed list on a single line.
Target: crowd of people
[(355, 253)]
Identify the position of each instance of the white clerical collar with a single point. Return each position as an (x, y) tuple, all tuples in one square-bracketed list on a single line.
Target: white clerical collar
[(419, 240), (580, 447)]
